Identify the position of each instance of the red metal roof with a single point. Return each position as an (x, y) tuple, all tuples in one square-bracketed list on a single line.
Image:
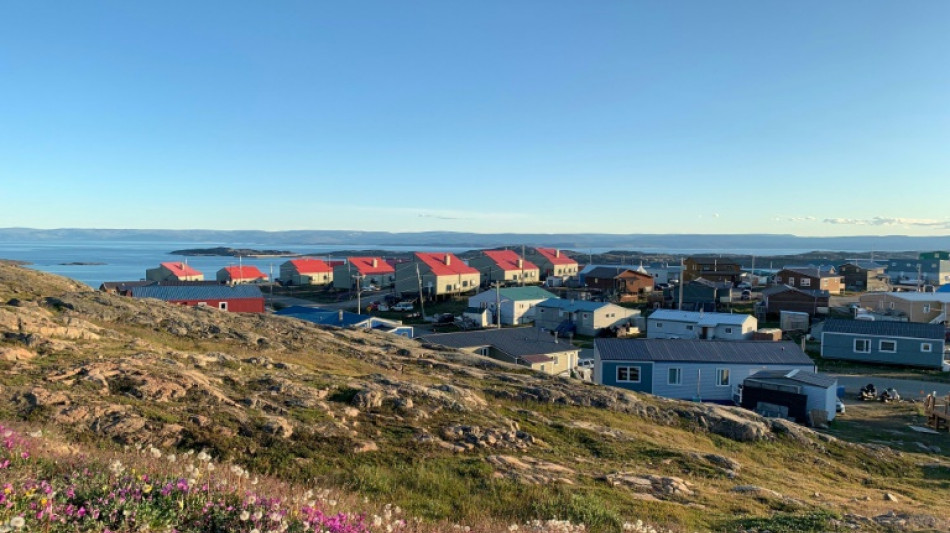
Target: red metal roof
[(507, 260), (555, 256), (366, 267), (436, 262), (179, 269), (244, 272), (309, 266)]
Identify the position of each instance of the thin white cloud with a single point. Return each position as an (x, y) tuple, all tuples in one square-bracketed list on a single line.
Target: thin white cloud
[(889, 221)]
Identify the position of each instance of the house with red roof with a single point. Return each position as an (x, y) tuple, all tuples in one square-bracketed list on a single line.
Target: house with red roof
[(235, 275), (173, 271), (440, 273), (305, 271), (553, 264), (505, 266), (369, 271)]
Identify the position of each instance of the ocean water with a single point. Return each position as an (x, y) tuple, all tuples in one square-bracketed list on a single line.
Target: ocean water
[(128, 260)]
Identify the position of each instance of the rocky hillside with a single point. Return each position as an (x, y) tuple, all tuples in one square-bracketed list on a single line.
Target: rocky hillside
[(443, 434)]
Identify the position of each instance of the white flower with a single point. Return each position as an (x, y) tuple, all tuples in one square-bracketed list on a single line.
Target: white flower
[(258, 515), (245, 516), (203, 456), (116, 467), (171, 458), (255, 530), (156, 453), (17, 522), (275, 517)]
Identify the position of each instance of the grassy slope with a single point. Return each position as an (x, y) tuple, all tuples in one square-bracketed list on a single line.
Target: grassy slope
[(426, 480)]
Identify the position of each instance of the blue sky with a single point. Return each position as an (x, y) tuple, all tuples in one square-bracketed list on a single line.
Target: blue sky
[(810, 118)]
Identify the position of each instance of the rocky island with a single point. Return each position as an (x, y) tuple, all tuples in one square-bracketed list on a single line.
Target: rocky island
[(234, 252)]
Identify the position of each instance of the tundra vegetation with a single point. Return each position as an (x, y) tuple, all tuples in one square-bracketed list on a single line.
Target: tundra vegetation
[(128, 415)]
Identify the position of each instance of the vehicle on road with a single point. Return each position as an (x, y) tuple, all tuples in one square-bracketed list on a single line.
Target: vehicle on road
[(403, 306)]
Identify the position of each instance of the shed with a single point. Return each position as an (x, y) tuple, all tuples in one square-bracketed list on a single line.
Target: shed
[(798, 392)]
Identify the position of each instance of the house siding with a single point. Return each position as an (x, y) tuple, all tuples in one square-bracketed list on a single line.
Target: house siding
[(608, 375), (836, 345), (673, 329)]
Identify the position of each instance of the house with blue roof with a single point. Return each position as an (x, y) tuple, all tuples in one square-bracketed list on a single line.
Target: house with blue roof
[(583, 317), (700, 370), (345, 319), (889, 342)]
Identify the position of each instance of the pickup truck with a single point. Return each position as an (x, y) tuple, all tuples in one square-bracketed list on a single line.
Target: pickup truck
[(402, 306)]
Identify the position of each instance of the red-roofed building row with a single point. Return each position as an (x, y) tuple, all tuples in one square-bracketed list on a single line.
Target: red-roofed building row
[(505, 266), (439, 273), (235, 275), (553, 264), (173, 271)]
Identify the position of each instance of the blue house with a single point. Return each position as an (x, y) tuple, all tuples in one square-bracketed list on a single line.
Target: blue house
[(896, 343), (688, 369), (345, 319)]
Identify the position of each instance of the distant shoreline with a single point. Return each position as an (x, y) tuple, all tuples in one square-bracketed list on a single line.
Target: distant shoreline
[(223, 251)]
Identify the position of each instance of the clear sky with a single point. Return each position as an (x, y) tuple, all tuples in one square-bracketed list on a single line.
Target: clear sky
[(810, 118)]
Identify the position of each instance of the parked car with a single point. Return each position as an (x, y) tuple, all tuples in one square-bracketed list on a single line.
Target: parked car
[(403, 306), (585, 363)]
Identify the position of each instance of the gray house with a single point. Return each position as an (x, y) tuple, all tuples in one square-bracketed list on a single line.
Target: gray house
[(897, 343), (582, 317), (691, 369), (530, 347), (673, 324)]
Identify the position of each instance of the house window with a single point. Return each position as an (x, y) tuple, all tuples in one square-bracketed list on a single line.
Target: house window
[(659, 324), (675, 376), (689, 328), (890, 305), (926, 308), (728, 330), (791, 281), (555, 362), (628, 374), (223, 306), (806, 282), (887, 346), (778, 279), (862, 345), (722, 377), (448, 288), (926, 347), (465, 283), (542, 368)]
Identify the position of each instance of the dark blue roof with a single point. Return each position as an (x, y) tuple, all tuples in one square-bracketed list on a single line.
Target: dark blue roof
[(196, 292), (513, 341), (794, 376), (702, 351), (885, 328), (324, 317)]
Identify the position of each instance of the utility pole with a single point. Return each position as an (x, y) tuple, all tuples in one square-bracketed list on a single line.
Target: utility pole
[(422, 307), (359, 287), (679, 305), (498, 304)]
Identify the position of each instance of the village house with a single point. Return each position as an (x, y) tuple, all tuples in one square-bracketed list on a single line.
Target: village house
[(583, 317), (698, 370), (529, 347), (778, 298), (617, 281), (305, 271), (236, 275), (505, 266), (930, 268), (517, 303), (699, 294), (920, 307), (810, 278), (438, 273), (675, 324), (712, 269), (553, 264), (173, 271), (236, 298), (369, 271), (864, 276), (897, 343)]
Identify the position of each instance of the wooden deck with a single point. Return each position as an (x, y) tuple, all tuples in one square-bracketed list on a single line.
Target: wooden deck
[(938, 414)]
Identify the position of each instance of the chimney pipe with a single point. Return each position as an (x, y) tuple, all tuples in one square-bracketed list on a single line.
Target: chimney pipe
[(557, 253), (520, 263), (375, 262), (448, 259)]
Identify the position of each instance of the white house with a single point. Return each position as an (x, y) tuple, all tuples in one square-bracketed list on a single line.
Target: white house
[(516, 303), (675, 324)]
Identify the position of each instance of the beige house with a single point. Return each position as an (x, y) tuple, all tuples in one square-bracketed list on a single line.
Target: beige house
[(305, 271), (553, 262), (236, 275), (173, 271), (505, 266), (440, 274), (530, 347), (369, 271), (583, 317), (921, 307)]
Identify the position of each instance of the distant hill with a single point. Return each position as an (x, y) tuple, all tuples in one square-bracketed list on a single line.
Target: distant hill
[(575, 241)]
